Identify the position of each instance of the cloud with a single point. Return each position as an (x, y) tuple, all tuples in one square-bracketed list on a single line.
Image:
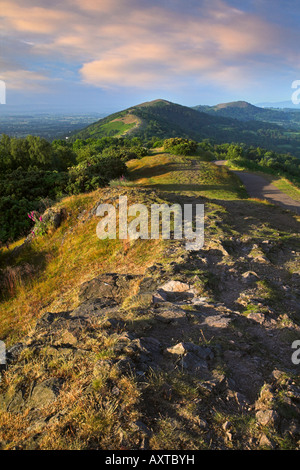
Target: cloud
[(25, 80), (149, 51), (34, 19), (142, 44)]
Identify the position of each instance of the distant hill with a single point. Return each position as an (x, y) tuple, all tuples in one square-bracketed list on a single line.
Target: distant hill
[(162, 119), (239, 110), (244, 111)]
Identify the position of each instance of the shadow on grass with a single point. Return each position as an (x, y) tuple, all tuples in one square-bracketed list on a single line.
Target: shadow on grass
[(19, 267)]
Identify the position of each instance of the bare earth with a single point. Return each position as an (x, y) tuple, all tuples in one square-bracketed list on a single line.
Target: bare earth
[(258, 187)]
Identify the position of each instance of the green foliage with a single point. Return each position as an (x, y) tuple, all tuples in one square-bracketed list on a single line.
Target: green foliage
[(13, 218), (260, 159), (179, 146), (159, 120), (33, 169), (97, 172)]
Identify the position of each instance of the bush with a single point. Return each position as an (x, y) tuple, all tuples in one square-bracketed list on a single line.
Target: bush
[(179, 146), (95, 173)]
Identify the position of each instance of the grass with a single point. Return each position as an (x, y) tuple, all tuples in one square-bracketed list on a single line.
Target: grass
[(185, 175), (99, 404), (286, 187), (59, 262), (282, 183), (114, 128)]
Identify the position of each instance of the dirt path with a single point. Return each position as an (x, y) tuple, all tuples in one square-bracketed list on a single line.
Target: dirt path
[(258, 187)]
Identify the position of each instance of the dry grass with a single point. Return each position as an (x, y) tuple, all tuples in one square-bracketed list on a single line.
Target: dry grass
[(59, 262)]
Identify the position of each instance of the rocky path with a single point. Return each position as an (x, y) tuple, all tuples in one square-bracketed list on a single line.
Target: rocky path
[(258, 187), (237, 365), (195, 353)]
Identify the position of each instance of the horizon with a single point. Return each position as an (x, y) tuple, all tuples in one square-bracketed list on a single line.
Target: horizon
[(44, 110), (110, 55)]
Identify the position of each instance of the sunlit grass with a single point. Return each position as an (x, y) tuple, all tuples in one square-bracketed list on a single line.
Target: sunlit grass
[(187, 175), (63, 260)]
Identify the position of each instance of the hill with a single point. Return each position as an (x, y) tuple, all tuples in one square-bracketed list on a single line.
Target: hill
[(243, 111), (140, 344), (237, 110), (159, 117), (162, 119)]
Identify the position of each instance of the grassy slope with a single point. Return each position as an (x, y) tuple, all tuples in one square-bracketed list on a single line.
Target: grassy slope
[(165, 119), (57, 263), (61, 261), (46, 274), (185, 175), (115, 128)]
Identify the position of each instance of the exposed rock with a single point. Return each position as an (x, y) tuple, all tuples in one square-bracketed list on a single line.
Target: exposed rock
[(139, 426), (45, 393), (265, 442), (217, 321), (171, 314), (108, 286), (53, 217), (199, 300), (175, 286), (190, 356), (266, 417), (250, 277), (173, 291), (257, 317), (193, 363), (184, 348), (66, 337)]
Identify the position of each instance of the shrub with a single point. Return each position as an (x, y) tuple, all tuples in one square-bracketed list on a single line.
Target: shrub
[(179, 146), (95, 173)]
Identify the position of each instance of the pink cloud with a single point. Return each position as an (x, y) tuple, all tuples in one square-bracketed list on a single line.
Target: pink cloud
[(139, 44)]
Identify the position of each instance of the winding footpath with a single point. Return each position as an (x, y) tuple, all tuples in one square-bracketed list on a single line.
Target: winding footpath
[(258, 187)]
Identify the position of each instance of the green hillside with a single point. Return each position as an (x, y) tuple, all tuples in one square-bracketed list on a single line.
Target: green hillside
[(162, 119), (244, 111)]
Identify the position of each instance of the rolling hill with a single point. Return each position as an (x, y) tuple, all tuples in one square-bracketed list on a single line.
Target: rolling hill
[(244, 111), (159, 117), (162, 119)]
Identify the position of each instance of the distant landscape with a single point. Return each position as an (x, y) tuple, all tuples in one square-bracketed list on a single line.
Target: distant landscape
[(49, 126), (238, 122)]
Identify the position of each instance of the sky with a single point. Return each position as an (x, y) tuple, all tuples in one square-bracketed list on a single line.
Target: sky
[(107, 55)]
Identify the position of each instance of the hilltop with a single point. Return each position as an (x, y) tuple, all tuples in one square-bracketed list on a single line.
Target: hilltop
[(244, 111), (237, 110), (159, 117), (139, 344)]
